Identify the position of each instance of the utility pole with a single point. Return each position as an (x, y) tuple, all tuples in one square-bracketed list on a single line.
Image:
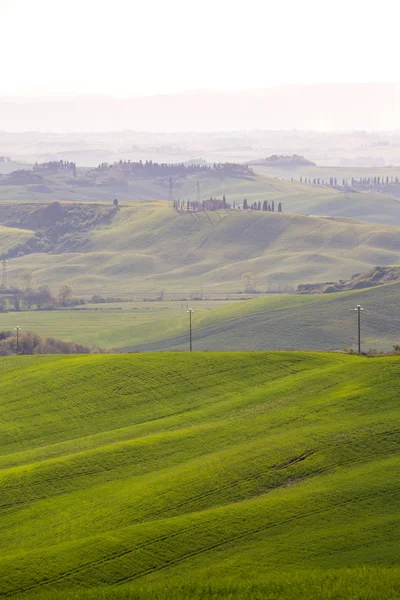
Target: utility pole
[(4, 279), (190, 311), (198, 192), (170, 192), (359, 309), (17, 329)]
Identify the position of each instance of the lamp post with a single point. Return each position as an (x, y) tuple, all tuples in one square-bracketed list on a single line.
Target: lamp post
[(190, 311), (359, 309), (17, 329)]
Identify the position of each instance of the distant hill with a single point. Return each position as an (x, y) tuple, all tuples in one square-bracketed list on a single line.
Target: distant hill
[(128, 180), (151, 246), (285, 161), (132, 181), (7, 166), (368, 106)]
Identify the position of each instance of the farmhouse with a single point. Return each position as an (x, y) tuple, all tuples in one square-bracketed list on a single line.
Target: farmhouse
[(215, 204)]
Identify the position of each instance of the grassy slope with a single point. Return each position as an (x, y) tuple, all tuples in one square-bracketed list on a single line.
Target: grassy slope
[(322, 200), (151, 247), (142, 323), (131, 324), (12, 236), (298, 198), (58, 191), (316, 322), (164, 469)]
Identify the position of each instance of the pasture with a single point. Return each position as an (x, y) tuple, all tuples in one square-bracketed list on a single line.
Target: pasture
[(200, 475), (276, 321), (151, 247)]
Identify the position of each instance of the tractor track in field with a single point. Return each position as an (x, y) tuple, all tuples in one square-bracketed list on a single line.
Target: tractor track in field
[(233, 484), (229, 540), (180, 559)]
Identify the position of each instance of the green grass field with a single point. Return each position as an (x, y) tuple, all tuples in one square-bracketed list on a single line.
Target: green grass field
[(150, 247), (203, 475), (278, 321), (112, 326), (293, 322)]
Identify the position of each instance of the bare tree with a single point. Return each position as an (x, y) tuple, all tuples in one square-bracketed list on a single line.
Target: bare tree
[(64, 295)]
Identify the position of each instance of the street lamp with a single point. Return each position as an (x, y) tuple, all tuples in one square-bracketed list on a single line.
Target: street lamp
[(17, 329), (359, 309), (190, 311)]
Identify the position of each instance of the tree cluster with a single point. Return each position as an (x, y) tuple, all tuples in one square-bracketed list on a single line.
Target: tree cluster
[(150, 170), (317, 181), (32, 343), (204, 205), (284, 160), (221, 204), (55, 166), (30, 298), (58, 227), (265, 206), (153, 169)]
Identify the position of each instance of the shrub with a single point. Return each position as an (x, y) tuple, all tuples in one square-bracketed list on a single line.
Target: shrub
[(32, 343)]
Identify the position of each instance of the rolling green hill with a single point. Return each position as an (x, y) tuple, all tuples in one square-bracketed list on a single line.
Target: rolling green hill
[(313, 322), (149, 246), (372, 206), (302, 198), (277, 321), (133, 324), (230, 475), (308, 199)]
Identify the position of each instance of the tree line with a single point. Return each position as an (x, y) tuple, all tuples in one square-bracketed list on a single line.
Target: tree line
[(221, 204), (32, 343), (149, 169), (365, 182), (41, 298), (265, 206), (54, 166)]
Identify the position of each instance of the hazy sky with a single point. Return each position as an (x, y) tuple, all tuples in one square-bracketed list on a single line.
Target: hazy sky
[(128, 47)]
